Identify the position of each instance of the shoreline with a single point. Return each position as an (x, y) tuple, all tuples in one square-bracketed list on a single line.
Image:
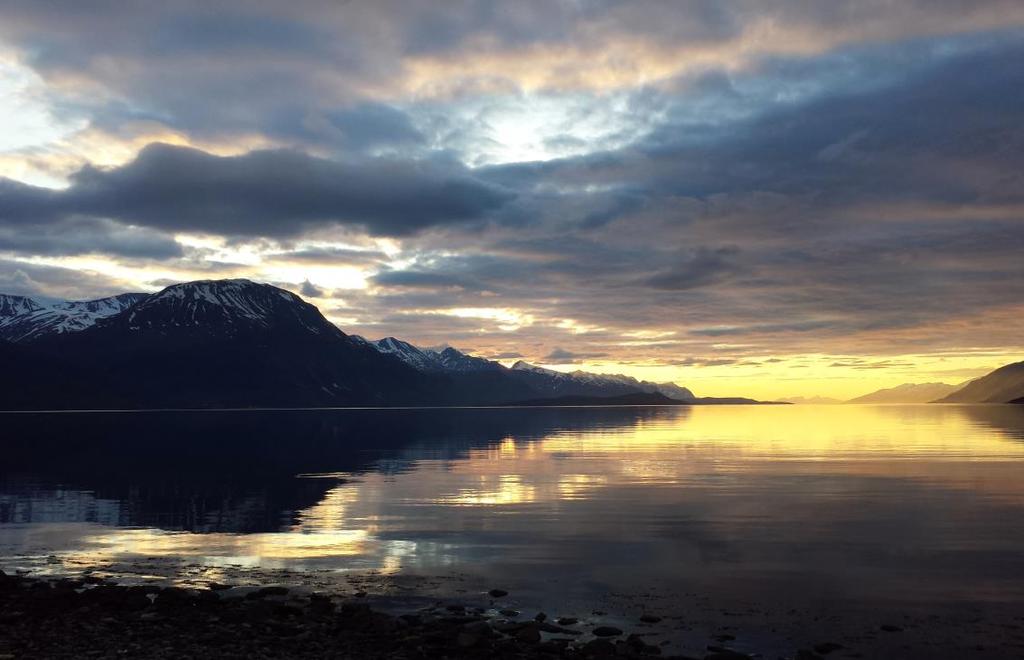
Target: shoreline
[(93, 616)]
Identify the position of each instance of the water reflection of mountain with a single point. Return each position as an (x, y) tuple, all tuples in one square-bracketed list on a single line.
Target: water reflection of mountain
[(1008, 419), (236, 471)]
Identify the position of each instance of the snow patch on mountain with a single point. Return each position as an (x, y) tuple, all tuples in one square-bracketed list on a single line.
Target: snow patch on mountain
[(592, 380), (225, 306), (12, 306), (452, 360), (33, 319), (447, 359)]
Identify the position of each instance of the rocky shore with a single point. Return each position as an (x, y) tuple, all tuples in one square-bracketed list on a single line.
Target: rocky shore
[(91, 618)]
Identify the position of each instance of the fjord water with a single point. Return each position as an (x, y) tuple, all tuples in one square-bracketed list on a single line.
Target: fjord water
[(849, 503)]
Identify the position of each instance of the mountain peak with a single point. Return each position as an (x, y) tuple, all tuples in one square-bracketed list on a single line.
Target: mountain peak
[(229, 306), (523, 365)]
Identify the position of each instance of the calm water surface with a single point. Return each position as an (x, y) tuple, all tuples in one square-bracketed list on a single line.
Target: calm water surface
[(911, 503)]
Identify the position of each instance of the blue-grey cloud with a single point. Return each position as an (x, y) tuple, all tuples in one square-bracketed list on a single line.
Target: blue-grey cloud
[(263, 193)]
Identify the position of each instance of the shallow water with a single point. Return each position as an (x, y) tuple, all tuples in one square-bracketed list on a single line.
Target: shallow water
[(861, 504)]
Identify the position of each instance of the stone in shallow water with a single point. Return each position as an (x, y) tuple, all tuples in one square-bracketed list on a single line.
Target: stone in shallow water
[(650, 618), (529, 634), (726, 654), (827, 647), (497, 593), (606, 631), (598, 648)]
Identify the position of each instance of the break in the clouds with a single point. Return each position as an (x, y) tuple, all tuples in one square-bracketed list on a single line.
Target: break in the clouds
[(683, 187)]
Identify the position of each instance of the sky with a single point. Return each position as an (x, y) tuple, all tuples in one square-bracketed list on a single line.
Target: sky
[(769, 198)]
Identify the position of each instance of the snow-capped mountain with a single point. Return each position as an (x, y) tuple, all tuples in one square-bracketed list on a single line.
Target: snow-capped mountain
[(208, 344), (584, 383), (541, 381), (11, 306), (222, 308), (32, 320), (415, 357), (238, 343), (428, 360)]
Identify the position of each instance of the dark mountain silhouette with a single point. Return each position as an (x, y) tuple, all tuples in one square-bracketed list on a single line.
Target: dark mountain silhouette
[(215, 344), (1003, 385), (908, 393), (236, 343)]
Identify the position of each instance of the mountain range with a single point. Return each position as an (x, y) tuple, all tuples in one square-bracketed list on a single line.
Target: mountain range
[(908, 393), (1005, 384), (236, 343)]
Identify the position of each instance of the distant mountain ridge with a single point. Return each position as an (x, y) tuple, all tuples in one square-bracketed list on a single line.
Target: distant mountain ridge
[(811, 400), (547, 382), (237, 343), (1003, 385), (578, 382), (908, 393)]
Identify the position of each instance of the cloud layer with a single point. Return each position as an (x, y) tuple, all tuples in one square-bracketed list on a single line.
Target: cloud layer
[(673, 186)]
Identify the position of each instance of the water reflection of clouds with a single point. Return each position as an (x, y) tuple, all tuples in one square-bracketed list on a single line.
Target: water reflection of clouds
[(754, 485)]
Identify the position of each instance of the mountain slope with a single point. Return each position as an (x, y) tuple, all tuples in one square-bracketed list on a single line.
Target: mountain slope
[(224, 344), (63, 317), (581, 383), (1003, 385), (236, 343), (486, 381), (12, 306), (632, 399), (907, 393)]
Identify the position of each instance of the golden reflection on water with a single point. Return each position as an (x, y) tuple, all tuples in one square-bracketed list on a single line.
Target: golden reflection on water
[(375, 518)]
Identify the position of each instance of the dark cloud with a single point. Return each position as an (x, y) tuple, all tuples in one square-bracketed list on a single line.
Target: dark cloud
[(56, 283), (506, 355), (700, 268), (310, 290), (563, 356), (471, 272), (81, 236), (334, 255), (868, 187), (263, 193)]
